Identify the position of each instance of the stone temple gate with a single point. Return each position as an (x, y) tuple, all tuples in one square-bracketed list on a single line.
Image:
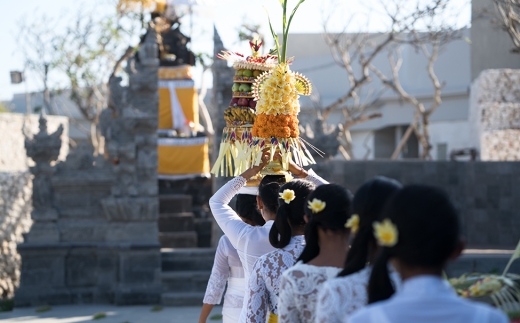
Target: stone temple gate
[(95, 237)]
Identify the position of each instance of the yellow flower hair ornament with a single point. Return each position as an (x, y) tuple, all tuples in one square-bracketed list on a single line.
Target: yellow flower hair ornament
[(287, 196), (385, 233), (316, 205), (353, 223)]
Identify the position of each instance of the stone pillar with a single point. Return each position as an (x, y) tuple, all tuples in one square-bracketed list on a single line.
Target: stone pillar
[(44, 148), (132, 210), (495, 114), (221, 96)]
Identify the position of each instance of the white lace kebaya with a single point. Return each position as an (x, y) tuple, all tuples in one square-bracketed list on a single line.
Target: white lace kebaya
[(264, 284), (299, 289), (227, 268), (250, 242), (341, 296)]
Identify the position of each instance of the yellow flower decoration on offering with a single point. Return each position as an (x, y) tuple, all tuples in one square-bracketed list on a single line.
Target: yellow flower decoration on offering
[(386, 233), (287, 196), (353, 223), (316, 205), (278, 94)]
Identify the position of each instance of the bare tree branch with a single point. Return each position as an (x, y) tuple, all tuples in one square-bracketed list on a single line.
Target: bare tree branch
[(509, 17)]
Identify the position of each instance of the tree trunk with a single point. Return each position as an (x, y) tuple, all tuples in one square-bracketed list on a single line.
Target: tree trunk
[(346, 145), (427, 147), (94, 137)]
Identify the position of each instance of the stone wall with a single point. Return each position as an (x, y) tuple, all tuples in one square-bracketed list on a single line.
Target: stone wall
[(12, 150), (16, 190), (15, 220), (94, 237), (486, 193), (495, 114)]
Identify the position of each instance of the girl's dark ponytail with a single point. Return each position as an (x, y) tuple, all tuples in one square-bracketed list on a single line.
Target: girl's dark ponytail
[(379, 285), (281, 232), (368, 204), (312, 248), (428, 227), (337, 210), (357, 257), (290, 215)]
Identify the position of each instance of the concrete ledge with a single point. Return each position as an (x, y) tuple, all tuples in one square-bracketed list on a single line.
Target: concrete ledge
[(185, 281), (482, 261), (178, 239), (182, 299), (187, 259), (106, 245)]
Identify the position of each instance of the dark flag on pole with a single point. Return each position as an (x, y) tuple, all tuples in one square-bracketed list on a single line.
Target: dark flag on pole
[(16, 77)]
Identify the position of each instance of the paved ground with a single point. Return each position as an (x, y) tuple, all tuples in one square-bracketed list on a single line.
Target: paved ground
[(114, 314)]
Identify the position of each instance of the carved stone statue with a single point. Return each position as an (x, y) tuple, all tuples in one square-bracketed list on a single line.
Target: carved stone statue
[(43, 148)]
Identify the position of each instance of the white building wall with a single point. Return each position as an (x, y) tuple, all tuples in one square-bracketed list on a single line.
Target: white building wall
[(362, 145), (455, 134)]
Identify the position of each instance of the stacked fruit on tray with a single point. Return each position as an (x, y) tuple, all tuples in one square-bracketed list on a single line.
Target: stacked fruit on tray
[(240, 115), (242, 107)]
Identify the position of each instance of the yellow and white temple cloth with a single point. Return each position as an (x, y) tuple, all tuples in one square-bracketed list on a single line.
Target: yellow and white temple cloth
[(182, 158), (178, 104)]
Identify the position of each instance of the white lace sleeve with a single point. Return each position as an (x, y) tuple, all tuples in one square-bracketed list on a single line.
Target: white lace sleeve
[(287, 311), (227, 219), (219, 276), (314, 178), (342, 296), (257, 298), (327, 307)]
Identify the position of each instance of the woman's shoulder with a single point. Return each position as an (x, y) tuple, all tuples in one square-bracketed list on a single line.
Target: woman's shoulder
[(224, 243), (344, 284), (301, 270), (359, 276), (224, 240), (275, 259), (492, 314)]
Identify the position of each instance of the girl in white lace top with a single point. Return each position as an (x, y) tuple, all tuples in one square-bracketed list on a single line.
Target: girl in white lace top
[(420, 234), (286, 236), (343, 295), (227, 268), (249, 241), (327, 240)]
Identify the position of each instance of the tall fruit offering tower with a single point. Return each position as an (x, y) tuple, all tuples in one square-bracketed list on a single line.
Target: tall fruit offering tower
[(274, 98), (277, 93), (237, 136)]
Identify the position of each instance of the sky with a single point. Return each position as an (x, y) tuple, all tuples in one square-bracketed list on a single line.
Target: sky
[(226, 15)]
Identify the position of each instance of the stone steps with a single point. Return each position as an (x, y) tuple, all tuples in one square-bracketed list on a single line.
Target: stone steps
[(186, 239), (185, 274), (187, 259), (177, 222), (174, 222), (175, 203)]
